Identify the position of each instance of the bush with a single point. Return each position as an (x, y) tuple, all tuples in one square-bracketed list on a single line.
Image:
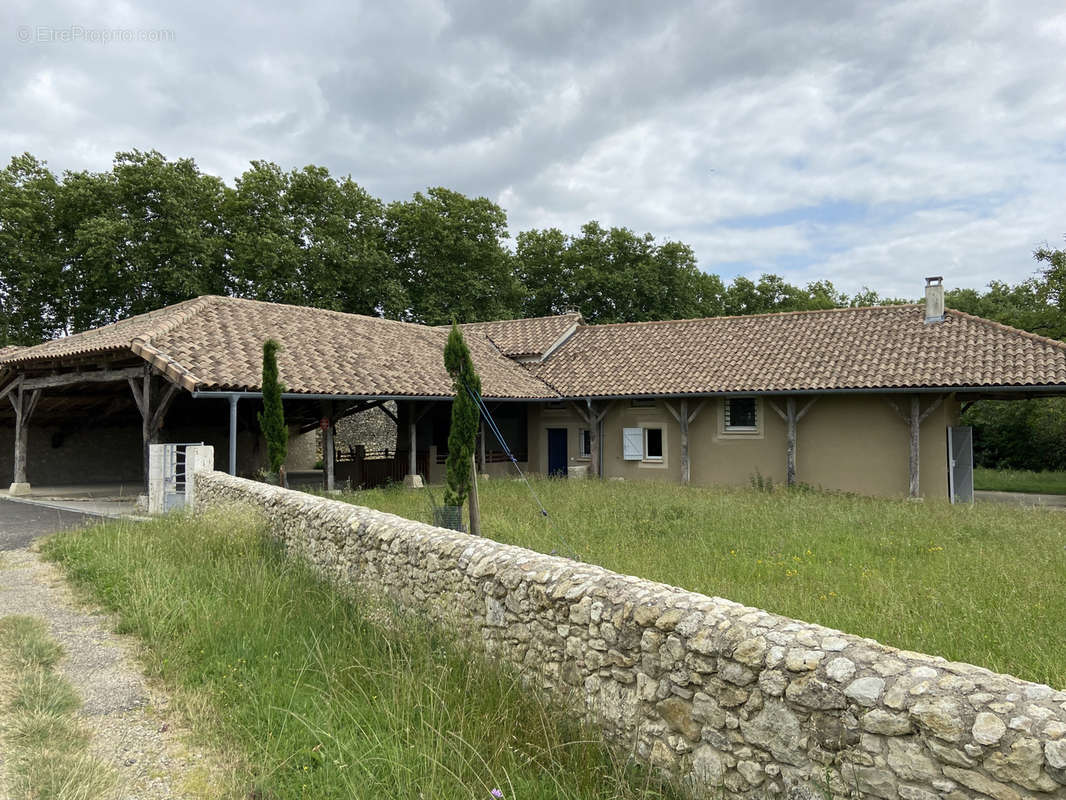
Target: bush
[(1019, 434)]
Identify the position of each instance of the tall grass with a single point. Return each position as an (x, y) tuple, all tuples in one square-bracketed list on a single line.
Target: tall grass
[(321, 696), (980, 583)]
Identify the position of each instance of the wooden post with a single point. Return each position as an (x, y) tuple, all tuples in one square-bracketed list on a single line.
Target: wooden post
[(24, 405), (146, 422), (916, 423), (686, 467), (412, 442), (790, 447), (233, 434), (594, 439), (482, 446), (475, 504), (151, 419), (684, 419), (328, 454), (914, 420)]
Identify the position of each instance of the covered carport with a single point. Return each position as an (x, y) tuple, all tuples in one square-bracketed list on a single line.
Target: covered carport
[(85, 408)]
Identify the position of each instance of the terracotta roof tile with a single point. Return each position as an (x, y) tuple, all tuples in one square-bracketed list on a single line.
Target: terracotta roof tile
[(215, 343), (532, 336), (861, 348)]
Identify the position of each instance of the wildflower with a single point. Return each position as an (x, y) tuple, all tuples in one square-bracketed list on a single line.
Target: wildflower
[(496, 793)]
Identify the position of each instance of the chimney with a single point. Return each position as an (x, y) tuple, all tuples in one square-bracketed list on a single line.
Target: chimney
[(934, 299)]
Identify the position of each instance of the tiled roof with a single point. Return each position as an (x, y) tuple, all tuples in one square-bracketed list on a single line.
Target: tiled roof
[(533, 336), (215, 343), (861, 348)]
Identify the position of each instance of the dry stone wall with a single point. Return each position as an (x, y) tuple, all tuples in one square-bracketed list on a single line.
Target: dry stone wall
[(728, 700)]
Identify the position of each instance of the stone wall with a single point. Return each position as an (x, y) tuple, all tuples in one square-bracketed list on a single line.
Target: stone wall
[(726, 699)]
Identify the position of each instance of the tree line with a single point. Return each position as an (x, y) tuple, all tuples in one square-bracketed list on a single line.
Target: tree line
[(82, 249)]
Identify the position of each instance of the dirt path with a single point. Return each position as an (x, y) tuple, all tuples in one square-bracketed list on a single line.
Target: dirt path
[(132, 727)]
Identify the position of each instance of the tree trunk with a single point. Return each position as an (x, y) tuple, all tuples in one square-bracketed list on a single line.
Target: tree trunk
[(475, 505)]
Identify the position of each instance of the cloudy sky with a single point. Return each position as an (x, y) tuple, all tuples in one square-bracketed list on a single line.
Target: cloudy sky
[(864, 143)]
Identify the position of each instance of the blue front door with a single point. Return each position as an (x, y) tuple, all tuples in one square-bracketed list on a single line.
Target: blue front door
[(557, 452)]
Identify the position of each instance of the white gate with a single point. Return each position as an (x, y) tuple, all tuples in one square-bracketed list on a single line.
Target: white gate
[(960, 464), (171, 468)]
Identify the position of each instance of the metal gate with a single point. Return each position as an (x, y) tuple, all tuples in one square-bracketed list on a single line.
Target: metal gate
[(960, 464), (175, 475)]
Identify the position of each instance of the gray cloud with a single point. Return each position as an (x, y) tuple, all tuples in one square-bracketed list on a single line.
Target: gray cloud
[(861, 142)]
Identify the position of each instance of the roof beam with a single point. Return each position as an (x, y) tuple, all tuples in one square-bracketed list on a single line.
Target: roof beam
[(72, 378)]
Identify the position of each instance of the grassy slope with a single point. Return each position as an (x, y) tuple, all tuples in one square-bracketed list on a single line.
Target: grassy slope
[(310, 693), (981, 584), (1019, 480)]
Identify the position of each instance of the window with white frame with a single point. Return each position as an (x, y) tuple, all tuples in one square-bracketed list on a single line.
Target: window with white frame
[(584, 443), (646, 444), (740, 415)]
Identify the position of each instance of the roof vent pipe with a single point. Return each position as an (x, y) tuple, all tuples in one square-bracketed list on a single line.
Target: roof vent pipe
[(934, 299)]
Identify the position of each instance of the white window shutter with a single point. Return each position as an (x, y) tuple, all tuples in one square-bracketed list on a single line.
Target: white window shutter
[(632, 444)]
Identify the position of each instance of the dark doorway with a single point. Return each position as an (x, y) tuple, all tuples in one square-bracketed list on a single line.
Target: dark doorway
[(557, 452)]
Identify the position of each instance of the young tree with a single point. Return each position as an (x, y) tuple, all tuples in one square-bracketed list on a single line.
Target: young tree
[(272, 417), (465, 416)]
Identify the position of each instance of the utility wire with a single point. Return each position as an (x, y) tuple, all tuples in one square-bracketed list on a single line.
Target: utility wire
[(494, 428)]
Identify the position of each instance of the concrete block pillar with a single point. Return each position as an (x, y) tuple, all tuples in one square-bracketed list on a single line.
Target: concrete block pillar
[(156, 471), (198, 458)]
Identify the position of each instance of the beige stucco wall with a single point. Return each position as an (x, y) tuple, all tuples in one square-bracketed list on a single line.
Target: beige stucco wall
[(854, 443)]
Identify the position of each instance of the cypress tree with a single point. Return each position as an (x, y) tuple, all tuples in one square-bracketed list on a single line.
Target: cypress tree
[(272, 417), (465, 416)]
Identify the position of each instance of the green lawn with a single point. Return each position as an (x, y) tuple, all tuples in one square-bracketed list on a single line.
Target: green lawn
[(982, 584), (316, 696), (1020, 480)]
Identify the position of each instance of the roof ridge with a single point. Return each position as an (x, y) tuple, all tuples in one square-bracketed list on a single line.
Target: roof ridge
[(806, 311), (515, 319), (991, 323), (318, 310), (167, 322)]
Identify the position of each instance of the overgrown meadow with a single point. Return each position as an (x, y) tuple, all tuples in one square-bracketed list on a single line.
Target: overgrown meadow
[(981, 583)]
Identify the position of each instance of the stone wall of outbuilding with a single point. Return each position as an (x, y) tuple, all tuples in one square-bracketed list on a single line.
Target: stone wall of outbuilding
[(728, 700)]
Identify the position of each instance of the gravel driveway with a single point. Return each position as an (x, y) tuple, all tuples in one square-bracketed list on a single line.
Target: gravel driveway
[(132, 728)]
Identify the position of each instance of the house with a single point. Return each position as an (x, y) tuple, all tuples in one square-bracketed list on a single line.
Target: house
[(861, 400)]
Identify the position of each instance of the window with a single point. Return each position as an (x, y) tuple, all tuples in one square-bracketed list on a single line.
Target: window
[(646, 444), (555, 405), (740, 415), (642, 402), (584, 443), (653, 444)]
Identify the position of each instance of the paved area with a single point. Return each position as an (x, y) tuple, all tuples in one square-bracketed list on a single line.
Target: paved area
[(1022, 499), (21, 523)]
